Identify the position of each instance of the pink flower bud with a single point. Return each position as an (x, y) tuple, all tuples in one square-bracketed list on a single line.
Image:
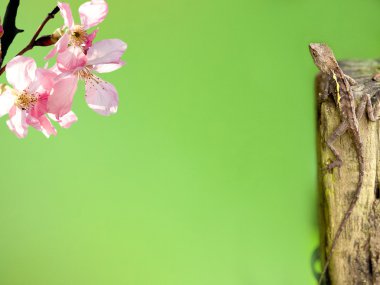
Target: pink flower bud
[(1, 31), (45, 41)]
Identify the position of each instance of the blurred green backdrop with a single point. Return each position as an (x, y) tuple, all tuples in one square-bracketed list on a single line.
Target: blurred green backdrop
[(207, 175)]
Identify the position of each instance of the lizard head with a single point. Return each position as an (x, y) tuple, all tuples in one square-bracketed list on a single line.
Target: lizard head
[(323, 57)]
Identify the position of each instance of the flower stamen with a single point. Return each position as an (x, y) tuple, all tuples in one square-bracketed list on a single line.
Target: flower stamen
[(25, 100), (87, 75), (78, 35)]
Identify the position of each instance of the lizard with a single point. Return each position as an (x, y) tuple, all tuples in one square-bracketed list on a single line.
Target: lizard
[(350, 115)]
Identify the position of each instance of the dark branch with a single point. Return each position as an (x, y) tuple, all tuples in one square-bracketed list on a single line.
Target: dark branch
[(34, 41), (9, 25)]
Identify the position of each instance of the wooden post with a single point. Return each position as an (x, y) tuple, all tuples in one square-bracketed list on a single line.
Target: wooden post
[(356, 259)]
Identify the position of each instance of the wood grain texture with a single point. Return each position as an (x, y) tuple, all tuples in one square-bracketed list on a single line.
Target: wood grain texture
[(356, 259)]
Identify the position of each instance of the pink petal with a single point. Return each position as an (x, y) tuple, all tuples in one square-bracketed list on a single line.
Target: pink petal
[(106, 51), (46, 127), (93, 13), (55, 69), (104, 68), (7, 100), (71, 60), (66, 120), (66, 14), (102, 97), (17, 122), (33, 122), (61, 99), (21, 71), (59, 47), (41, 124), (90, 39), (46, 78), (43, 82), (41, 107)]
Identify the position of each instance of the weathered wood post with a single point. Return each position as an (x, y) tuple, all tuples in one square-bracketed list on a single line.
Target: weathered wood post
[(356, 259)]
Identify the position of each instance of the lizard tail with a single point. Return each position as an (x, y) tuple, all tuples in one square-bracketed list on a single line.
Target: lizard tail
[(359, 151)]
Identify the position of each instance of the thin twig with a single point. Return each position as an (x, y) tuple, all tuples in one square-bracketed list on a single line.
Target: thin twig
[(31, 44)]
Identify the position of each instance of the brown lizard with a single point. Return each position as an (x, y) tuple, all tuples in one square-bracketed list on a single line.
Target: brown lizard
[(345, 101)]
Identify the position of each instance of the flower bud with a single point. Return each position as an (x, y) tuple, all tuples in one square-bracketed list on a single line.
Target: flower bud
[(49, 40), (44, 41), (1, 31)]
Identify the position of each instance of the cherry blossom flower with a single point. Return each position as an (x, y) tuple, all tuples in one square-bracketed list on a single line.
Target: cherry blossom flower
[(101, 96), (26, 103), (91, 14), (37, 96)]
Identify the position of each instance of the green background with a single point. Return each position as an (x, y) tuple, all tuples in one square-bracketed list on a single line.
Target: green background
[(207, 174)]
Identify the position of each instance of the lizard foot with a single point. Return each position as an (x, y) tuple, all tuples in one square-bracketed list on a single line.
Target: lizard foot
[(351, 80), (336, 163), (376, 77)]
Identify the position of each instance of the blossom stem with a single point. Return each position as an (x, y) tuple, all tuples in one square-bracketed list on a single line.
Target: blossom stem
[(31, 44)]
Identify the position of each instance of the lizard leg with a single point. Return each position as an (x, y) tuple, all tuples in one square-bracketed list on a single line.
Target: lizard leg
[(362, 106), (323, 96), (325, 93), (365, 103), (340, 130), (326, 90), (350, 80)]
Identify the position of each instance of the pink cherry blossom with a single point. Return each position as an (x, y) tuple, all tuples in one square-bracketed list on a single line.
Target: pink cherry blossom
[(101, 96), (91, 14), (37, 96), (26, 102)]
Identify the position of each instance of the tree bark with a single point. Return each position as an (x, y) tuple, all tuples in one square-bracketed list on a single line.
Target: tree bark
[(10, 29), (356, 258)]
